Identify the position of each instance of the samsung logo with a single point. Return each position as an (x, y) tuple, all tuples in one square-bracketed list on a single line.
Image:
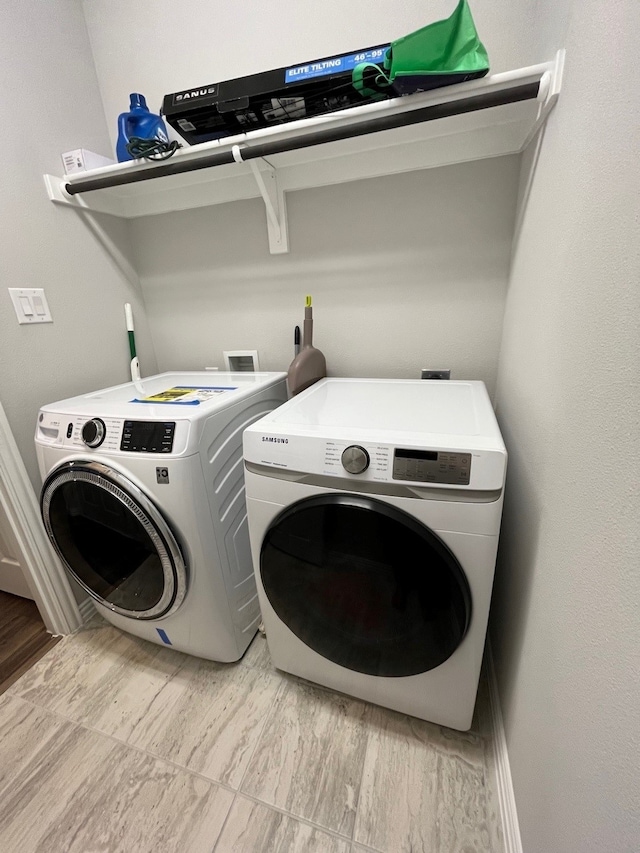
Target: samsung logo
[(195, 93), (275, 440)]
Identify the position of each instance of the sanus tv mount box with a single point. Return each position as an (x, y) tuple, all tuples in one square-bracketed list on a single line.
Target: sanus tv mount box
[(276, 97)]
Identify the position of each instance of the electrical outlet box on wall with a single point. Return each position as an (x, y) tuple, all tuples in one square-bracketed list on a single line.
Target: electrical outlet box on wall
[(428, 373)]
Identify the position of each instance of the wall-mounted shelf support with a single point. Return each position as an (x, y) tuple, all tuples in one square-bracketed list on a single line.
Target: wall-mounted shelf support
[(57, 194), (272, 194), (491, 117)]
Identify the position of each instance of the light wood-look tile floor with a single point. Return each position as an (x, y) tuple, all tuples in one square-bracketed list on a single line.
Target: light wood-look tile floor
[(110, 744)]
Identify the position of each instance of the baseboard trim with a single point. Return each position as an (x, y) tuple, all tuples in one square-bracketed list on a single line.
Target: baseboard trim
[(506, 798), (87, 610)]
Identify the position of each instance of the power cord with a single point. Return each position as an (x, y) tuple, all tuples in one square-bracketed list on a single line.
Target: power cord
[(151, 149)]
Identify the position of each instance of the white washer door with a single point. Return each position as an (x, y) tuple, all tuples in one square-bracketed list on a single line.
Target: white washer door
[(113, 540), (365, 585)]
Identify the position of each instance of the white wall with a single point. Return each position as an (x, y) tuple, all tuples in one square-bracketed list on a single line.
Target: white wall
[(565, 623), (405, 272), (49, 101)]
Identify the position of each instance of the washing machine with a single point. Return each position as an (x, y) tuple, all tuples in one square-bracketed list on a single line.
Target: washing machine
[(374, 512), (143, 499)]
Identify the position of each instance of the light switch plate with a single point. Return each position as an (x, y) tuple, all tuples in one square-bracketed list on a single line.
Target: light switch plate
[(24, 298)]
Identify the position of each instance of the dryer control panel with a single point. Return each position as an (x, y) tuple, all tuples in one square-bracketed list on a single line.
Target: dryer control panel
[(384, 463), (432, 466), (360, 459)]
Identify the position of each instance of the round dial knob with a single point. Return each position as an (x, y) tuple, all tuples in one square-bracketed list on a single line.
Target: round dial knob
[(93, 432), (355, 459)]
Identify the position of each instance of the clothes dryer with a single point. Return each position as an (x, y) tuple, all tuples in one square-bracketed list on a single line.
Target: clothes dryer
[(143, 499), (374, 513)]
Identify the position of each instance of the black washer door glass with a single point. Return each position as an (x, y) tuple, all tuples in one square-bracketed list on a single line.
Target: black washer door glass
[(365, 585), (105, 546)]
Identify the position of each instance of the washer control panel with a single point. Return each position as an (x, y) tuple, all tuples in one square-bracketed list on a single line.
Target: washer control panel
[(432, 466), (112, 435), (148, 436), (101, 433), (93, 432)]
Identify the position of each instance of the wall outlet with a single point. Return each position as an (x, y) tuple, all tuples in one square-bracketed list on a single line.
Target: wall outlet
[(427, 373)]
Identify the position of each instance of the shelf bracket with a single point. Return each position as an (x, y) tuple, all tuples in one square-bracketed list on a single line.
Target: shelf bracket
[(550, 85), (57, 194), (266, 178)]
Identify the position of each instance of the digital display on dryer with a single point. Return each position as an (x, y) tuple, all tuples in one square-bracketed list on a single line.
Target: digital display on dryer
[(429, 455), (148, 436), (432, 466)]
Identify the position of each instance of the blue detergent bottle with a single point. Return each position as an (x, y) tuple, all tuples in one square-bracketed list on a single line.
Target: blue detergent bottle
[(140, 122)]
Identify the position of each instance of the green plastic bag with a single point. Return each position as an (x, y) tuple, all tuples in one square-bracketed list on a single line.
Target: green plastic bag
[(439, 54)]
